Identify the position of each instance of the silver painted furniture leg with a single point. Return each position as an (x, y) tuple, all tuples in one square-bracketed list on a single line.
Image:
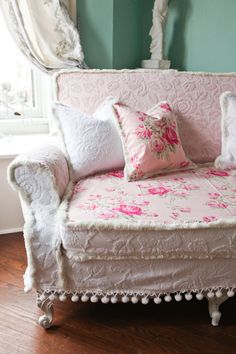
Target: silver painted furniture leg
[(46, 305), (213, 305)]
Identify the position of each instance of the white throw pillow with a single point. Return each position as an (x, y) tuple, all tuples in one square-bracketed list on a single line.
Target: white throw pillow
[(92, 143), (227, 159)]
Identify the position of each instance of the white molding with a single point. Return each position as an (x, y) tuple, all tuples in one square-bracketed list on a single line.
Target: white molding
[(11, 231)]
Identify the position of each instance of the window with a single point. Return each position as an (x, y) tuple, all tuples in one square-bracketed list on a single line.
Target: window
[(23, 106)]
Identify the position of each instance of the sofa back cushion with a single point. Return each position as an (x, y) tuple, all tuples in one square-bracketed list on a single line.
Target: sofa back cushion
[(194, 98)]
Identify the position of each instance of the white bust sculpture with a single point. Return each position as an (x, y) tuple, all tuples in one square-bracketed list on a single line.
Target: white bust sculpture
[(160, 11)]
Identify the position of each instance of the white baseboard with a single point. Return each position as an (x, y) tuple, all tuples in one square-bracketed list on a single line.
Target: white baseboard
[(11, 231)]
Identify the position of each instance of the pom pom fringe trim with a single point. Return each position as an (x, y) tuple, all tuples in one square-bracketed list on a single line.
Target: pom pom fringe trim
[(133, 296)]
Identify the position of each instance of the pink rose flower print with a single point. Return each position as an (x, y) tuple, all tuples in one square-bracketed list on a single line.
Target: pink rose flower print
[(134, 160), (87, 206), (185, 210), (129, 209), (219, 173), (107, 216), (214, 195), (180, 193), (190, 187), (142, 116), (209, 218), (184, 164), (120, 104), (165, 107), (216, 204), (78, 189), (117, 174), (170, 136), (142, 132), (158, 146), (92, 207), (174, 215), (159, 191)]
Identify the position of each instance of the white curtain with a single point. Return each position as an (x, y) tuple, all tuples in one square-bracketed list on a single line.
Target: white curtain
[(71, 6), (45, 31)]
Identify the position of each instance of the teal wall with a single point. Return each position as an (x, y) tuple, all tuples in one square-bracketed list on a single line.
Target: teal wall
[(127, 36), (200, 34), (111, 32), (96, 31)]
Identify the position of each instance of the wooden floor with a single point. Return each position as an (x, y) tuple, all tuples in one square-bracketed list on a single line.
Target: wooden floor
[(87, 328)]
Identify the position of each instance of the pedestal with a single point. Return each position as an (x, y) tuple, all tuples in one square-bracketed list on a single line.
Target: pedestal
[(156, 64)]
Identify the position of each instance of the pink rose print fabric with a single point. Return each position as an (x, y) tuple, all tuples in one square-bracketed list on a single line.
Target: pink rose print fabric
[(204, 195), (151, 143)]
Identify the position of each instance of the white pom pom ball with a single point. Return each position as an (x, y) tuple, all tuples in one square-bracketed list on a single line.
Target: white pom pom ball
[(230, 293), (114, 300), (84, 298), (178, 297), (125, 299), (74, 298), (134, 299), (52, 297), (157, 300), (62, 297), (105, 299), (168, 298), (199, 296), (145, 300), (219, 293), (210, 294), (94, 299), (188, 296)]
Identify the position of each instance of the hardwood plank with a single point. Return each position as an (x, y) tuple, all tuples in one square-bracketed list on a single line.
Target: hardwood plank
[(85, 328)]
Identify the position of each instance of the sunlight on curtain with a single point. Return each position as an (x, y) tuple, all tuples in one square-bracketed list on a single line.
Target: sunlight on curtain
[(44, 32)]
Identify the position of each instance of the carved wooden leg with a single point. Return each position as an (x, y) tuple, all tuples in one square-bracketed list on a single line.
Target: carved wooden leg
[(46, 305), (213, 305)]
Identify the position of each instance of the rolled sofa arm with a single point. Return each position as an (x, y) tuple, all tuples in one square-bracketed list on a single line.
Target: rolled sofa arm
[(41, 177), (40, 174)]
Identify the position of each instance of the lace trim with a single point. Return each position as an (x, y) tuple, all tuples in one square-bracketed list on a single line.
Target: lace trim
[(83, 257), (134, 296)]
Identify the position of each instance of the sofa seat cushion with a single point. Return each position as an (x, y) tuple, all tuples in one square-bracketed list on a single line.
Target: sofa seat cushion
[(188, 214)]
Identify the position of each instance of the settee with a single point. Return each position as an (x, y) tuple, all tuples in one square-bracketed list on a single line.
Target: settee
[(174, 236)]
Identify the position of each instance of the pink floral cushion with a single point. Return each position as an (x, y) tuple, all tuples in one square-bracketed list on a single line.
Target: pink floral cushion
[(151, 142), (193, 198)]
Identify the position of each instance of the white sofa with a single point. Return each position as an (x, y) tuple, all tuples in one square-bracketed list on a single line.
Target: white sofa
[(175, 235)]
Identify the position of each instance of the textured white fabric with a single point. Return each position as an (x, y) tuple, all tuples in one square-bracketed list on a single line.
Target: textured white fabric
[(41, 176), (148, 276), (162, 244), (227, 159), (52, 46), (91, 142), (194, 97)]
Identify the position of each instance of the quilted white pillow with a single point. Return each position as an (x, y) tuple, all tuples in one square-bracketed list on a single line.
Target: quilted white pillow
[(227, 159), (91, 143)]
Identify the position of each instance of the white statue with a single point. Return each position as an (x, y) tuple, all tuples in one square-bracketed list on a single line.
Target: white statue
[(157, 61), (160, 11)]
